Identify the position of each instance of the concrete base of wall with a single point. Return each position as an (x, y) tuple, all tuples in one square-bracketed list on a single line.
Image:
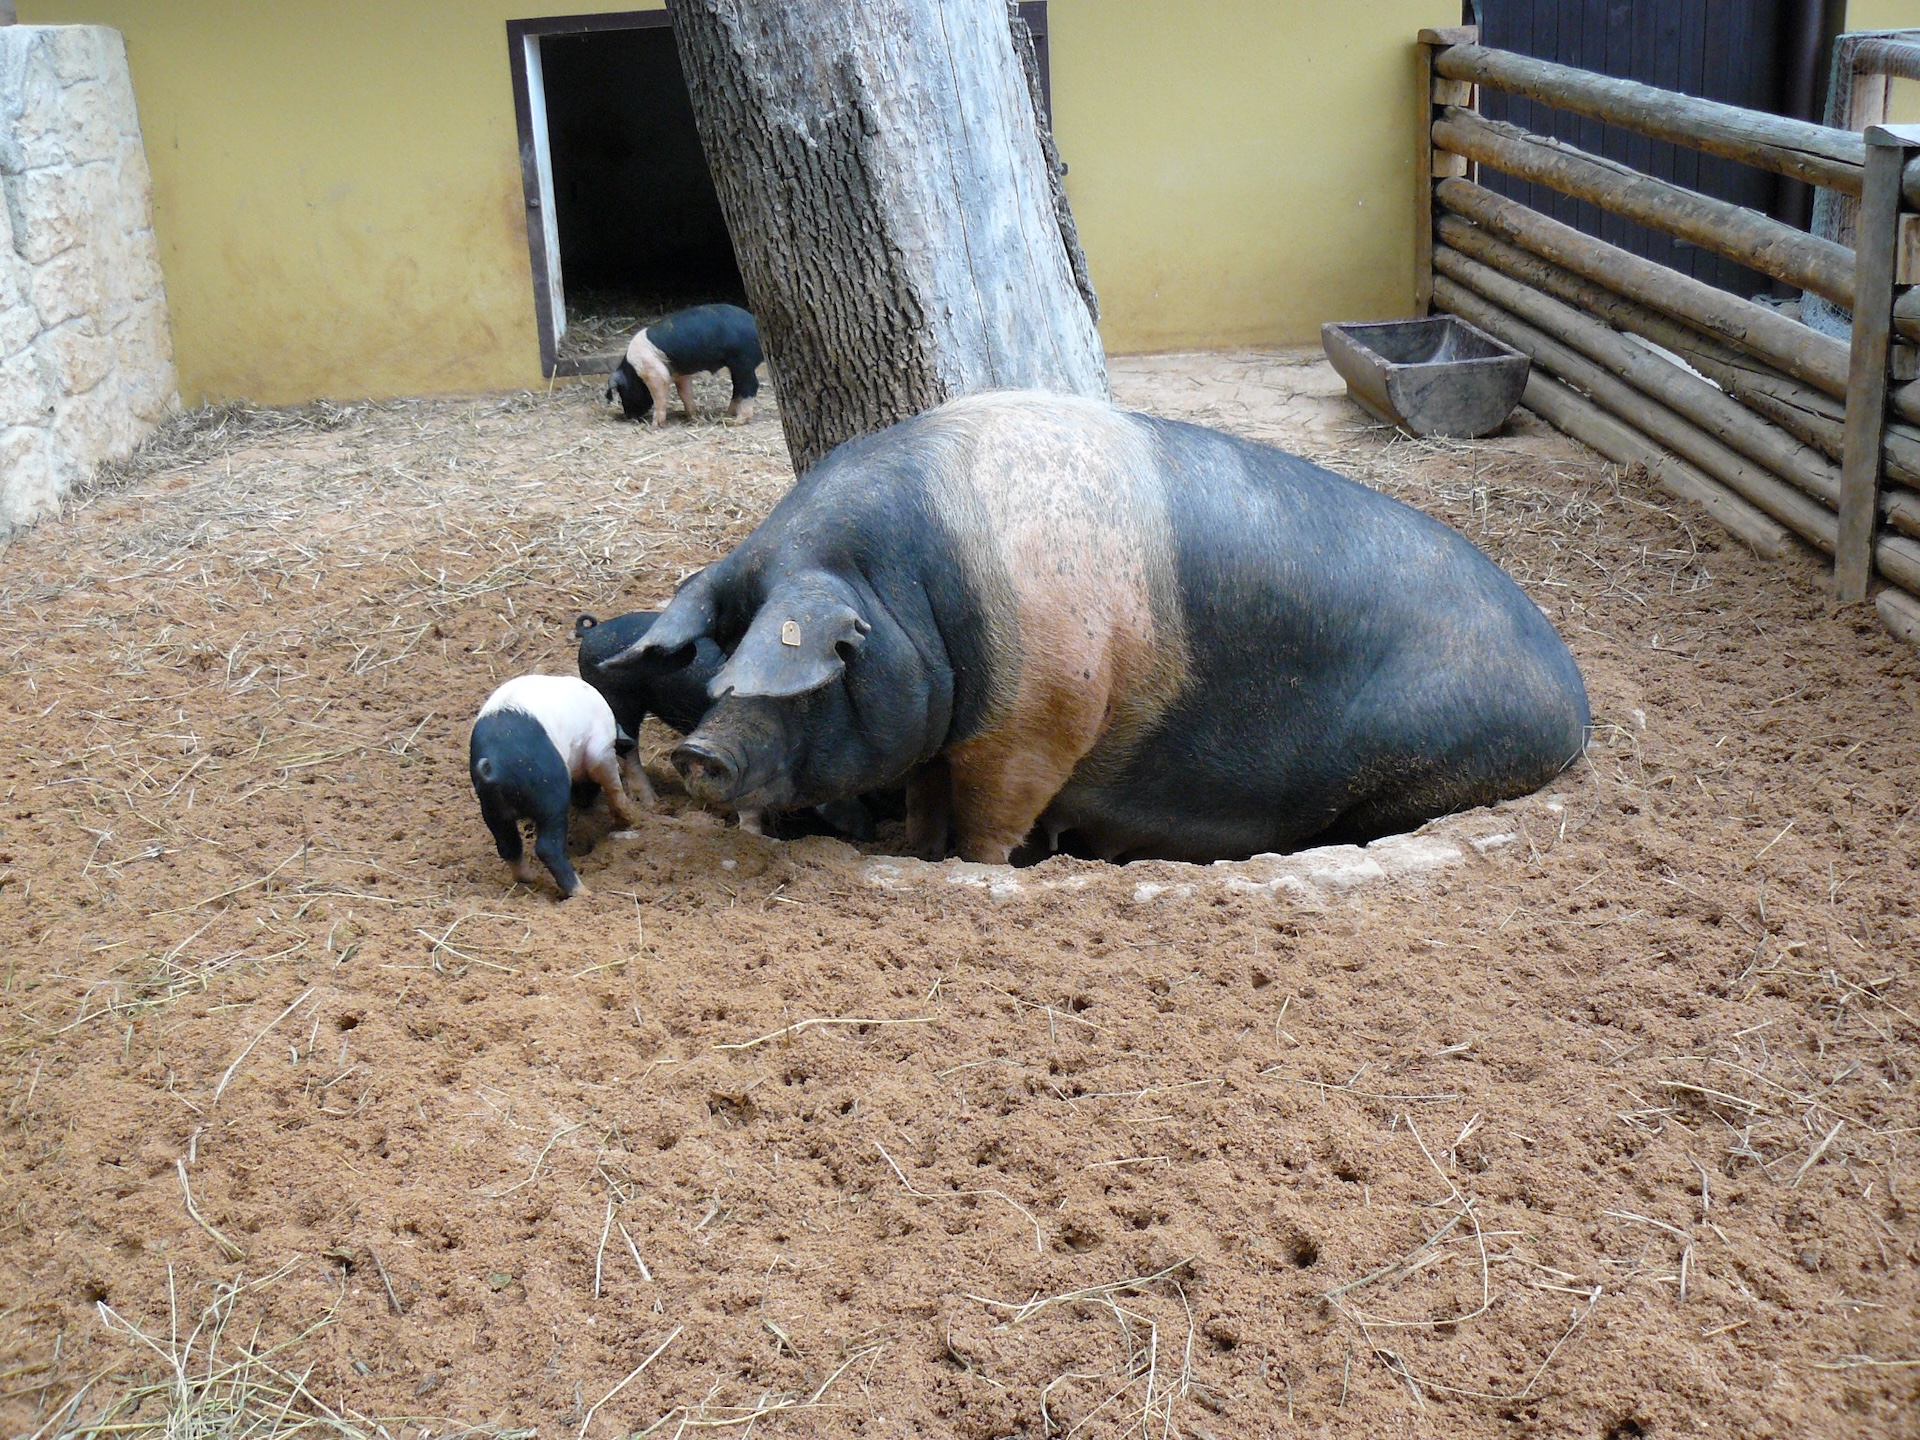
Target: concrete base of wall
[(86, 354)]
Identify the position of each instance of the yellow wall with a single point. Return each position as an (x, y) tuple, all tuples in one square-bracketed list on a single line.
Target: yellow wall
[(1903, 106), (336, 191), (338, 200), (1241, 170), (1883, 15)]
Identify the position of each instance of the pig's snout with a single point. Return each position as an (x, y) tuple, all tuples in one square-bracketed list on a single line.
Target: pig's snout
[(710, 774)]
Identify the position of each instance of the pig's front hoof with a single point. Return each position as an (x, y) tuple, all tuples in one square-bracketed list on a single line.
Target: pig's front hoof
[(580, 890), (525, 873)]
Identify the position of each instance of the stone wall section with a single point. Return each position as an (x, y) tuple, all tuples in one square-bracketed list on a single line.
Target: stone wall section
[(86, 354)]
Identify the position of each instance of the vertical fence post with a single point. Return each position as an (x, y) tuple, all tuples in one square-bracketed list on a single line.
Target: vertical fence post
[(1876, 261), (1430, 164)]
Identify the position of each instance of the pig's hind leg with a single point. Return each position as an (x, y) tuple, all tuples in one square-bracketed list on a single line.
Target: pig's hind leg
[(550, 844), (745, 386), (505, 827), (655, 372)]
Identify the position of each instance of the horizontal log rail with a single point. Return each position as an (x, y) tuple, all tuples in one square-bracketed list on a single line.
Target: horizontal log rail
[(1570, 412), (1742, 235), (1888, 56), (1784, 343), (1900, 612), (1895, 557), (1705, 404), (1817, 154), (1803, 412), (1753, 483), (1725, 401)]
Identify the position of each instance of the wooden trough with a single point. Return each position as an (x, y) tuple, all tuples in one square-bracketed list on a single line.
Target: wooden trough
[(1784, 435), (1436, 376)]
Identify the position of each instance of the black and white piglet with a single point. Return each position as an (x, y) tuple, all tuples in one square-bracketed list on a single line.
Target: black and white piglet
[(688, 343), (533, 741)]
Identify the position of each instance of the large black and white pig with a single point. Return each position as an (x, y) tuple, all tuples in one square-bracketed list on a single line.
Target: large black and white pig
[(533, 741), (1035, 609), (685, 344)]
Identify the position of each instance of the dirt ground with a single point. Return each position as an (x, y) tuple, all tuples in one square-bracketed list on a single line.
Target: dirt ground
[(309, 1113)]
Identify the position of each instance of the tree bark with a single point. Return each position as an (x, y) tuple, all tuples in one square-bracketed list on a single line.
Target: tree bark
[(893, 212)]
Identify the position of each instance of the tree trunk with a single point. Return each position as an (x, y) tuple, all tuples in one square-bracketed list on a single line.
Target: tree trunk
[(901, 234)]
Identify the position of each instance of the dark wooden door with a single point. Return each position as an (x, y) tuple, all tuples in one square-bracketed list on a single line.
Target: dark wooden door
[(1737, 51)]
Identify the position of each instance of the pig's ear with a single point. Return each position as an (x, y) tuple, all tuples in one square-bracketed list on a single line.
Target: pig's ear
[(799, 642), (670, 640)]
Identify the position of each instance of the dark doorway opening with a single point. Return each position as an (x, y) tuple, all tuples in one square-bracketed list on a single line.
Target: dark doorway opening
[(622, 218), (641, 233), (623, 225)]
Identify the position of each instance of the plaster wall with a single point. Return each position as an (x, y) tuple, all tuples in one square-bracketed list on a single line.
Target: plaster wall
[(338, 197)]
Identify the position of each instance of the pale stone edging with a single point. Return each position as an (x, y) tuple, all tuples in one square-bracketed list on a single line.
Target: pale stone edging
[(1311, 876)]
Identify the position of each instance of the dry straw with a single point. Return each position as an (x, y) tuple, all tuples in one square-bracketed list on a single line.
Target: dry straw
[(210, 1383), (1158, 1374)]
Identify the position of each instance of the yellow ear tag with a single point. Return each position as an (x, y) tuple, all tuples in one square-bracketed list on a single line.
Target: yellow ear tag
[(790, 633)]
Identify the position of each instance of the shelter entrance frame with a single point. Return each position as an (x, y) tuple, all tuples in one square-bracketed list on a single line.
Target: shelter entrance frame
[(536, 163)]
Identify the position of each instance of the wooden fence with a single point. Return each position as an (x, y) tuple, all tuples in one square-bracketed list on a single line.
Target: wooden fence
[(1779, 432)]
